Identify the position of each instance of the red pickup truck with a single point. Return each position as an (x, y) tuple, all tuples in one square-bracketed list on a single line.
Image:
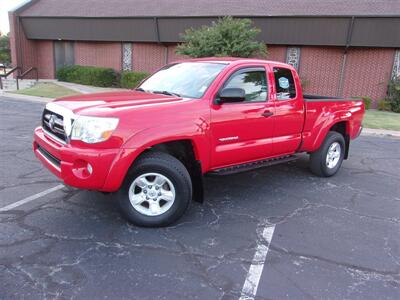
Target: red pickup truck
[(152, 145)]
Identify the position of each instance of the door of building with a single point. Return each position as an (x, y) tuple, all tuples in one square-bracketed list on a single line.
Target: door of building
[(63, 54)]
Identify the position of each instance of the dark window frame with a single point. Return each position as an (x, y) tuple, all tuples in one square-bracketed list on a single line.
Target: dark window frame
[(276, 83), (240, 71)]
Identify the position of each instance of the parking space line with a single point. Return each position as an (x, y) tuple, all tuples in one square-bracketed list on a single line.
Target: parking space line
[(250, 285), (31, 198)]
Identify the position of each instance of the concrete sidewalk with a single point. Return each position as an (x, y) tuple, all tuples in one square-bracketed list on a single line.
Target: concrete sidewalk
[(86, 89), (80, 88)]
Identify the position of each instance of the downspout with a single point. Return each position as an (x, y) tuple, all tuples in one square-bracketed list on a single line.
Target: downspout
[(166, 54), (157, 33), (342, 71)]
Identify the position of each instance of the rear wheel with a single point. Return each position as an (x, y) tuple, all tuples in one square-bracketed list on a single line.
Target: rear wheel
[(156, 192), (326, 161)]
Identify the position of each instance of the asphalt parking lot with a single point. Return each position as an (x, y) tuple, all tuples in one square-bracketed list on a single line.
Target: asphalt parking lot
[(336, 238)]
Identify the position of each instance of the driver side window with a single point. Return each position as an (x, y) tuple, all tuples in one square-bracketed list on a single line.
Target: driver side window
[(252, 81)]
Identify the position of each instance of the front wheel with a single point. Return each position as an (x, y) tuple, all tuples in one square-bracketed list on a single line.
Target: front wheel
[(326, 161), (156, 192)]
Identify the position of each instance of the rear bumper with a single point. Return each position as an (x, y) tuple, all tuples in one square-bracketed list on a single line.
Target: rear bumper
[(78, 167)]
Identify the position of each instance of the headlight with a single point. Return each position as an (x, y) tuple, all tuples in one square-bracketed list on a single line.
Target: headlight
[(92, 129)]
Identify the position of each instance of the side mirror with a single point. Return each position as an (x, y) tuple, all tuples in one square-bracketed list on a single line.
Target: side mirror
[(231, 95)]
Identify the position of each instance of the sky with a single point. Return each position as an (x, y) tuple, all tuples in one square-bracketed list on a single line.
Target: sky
[(5, 6)]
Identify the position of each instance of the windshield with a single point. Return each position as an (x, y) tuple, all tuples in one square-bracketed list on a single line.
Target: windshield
[(188, 79)]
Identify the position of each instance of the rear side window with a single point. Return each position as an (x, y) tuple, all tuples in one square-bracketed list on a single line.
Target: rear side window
[(284, 82), (253, 81)]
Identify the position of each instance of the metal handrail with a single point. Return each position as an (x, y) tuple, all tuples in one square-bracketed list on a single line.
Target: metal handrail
[(26, 73), (5, 75)]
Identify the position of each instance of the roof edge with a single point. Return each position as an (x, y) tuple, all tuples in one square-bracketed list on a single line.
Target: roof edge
[(208, 16), (22, 7)]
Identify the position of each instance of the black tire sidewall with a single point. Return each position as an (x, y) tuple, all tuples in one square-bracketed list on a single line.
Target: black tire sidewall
[(179, 178), (331, 138)]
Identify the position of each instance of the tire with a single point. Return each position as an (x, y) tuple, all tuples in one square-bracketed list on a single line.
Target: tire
[(152, 179), (319, 163)]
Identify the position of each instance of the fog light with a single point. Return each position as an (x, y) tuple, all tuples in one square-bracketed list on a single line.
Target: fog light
[(89, 168)]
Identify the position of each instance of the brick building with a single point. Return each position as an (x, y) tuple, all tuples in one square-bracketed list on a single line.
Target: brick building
[(340, 48)]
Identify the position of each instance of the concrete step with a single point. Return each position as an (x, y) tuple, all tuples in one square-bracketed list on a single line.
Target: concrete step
[(10, 84)]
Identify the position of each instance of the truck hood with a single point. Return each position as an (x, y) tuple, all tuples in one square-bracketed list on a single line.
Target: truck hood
[(111, 101)]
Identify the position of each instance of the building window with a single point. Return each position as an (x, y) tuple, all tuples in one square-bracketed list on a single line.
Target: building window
[(127, 56), (396, 65), (293, 56)]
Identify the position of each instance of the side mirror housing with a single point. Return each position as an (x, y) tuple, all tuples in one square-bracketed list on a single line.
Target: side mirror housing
[(231, 95)]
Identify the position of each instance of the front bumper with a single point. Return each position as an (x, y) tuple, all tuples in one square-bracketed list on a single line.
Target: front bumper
[(78, 167)]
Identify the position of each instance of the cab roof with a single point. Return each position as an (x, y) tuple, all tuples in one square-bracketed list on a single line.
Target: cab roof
[(234, 61)]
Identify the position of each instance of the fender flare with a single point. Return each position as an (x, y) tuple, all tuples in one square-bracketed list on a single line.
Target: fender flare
[(136, 145), (326, 126)]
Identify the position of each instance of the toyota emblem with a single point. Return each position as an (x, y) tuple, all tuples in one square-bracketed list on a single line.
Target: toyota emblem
[(52, 121)]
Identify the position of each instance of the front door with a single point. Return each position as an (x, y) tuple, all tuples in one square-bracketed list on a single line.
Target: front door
[(243, 131), (63, 54)]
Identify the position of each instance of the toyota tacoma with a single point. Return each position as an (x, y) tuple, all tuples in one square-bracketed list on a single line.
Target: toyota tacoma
[(151, 146)]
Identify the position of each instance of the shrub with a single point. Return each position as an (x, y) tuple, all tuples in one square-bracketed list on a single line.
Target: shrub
[(383, 105), (226, 37), (393, 95), (130, 80), (103, 77), (62, 73), (367, 101)]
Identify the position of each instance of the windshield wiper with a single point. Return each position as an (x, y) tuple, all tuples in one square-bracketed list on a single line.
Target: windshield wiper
[(140, 90), (166, 93)]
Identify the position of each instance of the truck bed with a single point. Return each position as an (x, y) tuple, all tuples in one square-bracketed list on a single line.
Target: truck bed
[(319, 115), (325, 98)]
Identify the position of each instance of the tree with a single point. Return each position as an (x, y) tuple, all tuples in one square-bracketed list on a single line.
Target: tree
[(226, 37), (5, 53)]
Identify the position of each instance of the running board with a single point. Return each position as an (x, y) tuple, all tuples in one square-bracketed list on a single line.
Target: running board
[(252, 165)]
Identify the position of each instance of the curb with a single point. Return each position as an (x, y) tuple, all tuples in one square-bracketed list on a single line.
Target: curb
[(380, 132), (25, 97)]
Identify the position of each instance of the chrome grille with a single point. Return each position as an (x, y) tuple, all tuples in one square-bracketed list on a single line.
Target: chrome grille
[(53, 123)]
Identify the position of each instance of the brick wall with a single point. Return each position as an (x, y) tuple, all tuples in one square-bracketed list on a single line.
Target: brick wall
[(151, 56), (148, 57), (45, 59), (98, 54), (320, 68), (27, 47), (276, 53), (367, 72), (172, 56)]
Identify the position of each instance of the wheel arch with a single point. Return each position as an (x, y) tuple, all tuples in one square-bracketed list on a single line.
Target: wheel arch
[(342, 127), (185, 151)]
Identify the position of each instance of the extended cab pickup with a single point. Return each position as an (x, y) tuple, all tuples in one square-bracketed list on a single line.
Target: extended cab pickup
[(152, 145)]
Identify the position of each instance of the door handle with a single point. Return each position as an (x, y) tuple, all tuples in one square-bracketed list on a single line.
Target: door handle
[(267, 114)]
